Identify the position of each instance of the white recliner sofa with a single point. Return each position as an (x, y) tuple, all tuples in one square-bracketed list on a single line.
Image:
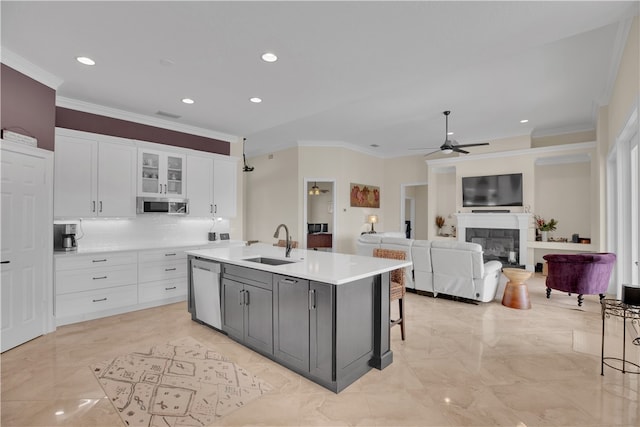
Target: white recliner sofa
[(458, 269), (448, 267)]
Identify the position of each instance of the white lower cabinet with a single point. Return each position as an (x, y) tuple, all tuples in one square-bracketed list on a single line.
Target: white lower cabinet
[(93, 286), (162, 275), (88, 286)]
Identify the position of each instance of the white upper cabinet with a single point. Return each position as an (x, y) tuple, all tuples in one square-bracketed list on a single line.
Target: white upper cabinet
[(94, 176), (200, 191), (161, 174), (225, 187), (212, 186)]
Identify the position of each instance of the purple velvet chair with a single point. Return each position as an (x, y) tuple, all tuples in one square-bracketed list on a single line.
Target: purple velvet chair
[(582, 274)]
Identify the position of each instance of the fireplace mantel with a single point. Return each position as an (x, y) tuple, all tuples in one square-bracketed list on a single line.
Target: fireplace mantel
[(506, 220)]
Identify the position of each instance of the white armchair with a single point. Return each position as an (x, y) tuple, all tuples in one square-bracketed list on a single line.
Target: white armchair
[(458, 269)]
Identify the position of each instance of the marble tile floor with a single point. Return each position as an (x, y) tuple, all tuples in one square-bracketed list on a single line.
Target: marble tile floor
[(461, 365)]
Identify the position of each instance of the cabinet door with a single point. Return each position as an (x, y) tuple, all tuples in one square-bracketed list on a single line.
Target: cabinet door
[(258, 321), (175, 175), (224, 188), (321, 350), (116, 180), (200, 190), (291, 312), (233, 308), (150, 179), (75, 177)]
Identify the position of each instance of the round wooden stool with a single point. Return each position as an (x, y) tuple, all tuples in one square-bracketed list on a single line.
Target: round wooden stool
[(516, 294)]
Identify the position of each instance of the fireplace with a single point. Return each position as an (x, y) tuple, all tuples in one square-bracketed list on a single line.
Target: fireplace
[(498, 231), (499, 244)]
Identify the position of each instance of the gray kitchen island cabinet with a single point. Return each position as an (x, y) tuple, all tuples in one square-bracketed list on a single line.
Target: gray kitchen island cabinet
[(247, 313), (303, 326), (324, 316)]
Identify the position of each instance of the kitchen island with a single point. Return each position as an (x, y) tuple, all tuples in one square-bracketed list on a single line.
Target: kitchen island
[(323, 315)]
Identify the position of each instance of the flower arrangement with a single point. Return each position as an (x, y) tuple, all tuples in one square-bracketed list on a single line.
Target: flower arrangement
[(439, 221), (543, 225)]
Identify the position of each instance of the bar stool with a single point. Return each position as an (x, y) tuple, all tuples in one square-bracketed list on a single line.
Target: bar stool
[(396, 288)]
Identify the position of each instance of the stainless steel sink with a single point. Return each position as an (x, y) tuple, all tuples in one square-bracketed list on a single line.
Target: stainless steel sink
[(269, 261)]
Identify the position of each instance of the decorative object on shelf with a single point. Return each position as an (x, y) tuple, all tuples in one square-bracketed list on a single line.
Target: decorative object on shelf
[(372, 219), (364, 196), (439, 224), (544, 226)]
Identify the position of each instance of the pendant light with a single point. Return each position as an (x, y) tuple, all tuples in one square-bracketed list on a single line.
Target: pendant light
[(315, 190), (246, 168)]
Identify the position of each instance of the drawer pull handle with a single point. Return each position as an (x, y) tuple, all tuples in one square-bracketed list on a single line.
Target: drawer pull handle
[(289, 281), (5, 262), (171, 288), (98, 300), (100, 278), (170, 269), (173, 254), (99, 260)]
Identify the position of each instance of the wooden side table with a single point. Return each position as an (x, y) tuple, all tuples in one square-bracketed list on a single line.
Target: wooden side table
[(516, 294)]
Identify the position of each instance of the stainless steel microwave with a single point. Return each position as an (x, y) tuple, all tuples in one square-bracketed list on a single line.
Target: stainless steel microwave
[(162, 205)]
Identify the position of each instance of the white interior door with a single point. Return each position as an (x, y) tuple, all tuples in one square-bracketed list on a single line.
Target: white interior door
[(25, 228)]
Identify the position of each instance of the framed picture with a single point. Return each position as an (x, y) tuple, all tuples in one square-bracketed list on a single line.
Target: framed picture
[(364, 196)]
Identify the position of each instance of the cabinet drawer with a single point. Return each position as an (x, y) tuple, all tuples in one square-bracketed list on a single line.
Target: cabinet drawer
[(95, 300), (161, 255), (95, 278), (258, 278), (73, 262), (162, 289), (150, 272)]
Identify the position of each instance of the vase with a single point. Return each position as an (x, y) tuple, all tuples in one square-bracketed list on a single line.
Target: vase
[(544, 236)]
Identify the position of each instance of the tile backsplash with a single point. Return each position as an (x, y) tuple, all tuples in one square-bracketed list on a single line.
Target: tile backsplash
[(146, 231)]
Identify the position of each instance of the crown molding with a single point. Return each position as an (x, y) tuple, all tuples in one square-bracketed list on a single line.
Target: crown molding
[(540, 151), (584, 127), (622, 35), (115, 113), (29, 69)]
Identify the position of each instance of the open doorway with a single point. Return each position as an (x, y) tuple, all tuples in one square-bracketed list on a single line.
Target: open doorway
[(319, 214), (413, 210)]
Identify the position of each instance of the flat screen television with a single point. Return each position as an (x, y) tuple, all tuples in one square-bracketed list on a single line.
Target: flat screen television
[(492, 190)]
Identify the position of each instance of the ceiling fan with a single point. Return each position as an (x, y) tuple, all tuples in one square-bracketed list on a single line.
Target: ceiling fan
[(450, 145), (315, 190)]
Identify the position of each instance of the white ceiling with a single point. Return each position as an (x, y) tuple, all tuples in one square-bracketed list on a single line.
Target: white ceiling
[(349, 73)]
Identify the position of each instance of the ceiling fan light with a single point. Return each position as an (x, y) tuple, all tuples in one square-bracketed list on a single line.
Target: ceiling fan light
[(447, 151)]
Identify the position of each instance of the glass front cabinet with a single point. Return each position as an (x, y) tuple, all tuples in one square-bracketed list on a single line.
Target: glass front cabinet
[(161, 174)]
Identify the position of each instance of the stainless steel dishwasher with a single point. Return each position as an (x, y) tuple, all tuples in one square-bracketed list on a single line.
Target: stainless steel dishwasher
[(206, 291)]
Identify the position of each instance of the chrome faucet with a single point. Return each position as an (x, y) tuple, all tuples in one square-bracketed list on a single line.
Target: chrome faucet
[(287, 250)]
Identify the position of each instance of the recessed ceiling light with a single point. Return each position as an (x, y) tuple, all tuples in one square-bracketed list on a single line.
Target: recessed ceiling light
[(86, 61), (269, 57), (255, 100), (188, 100), (375, 145), (449, 133), (524, 121)]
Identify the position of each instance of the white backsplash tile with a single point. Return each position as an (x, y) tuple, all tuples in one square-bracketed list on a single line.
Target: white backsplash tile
[(146, 230)]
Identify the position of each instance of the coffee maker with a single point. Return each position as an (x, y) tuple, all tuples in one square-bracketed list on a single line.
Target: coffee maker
[(64, 237)]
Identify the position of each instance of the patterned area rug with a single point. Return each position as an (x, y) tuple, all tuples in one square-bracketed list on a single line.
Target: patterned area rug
[(181, 383)]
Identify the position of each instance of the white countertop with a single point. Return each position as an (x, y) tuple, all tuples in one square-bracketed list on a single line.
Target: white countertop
[(147, 246), (327, 267)]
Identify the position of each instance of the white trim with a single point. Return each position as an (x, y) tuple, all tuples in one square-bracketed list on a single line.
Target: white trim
[(584, 127), (142, 119), (29, 69), (560, 160), (579, 146)]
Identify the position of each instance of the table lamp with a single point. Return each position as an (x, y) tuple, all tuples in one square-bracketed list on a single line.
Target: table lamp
[(372, 220)]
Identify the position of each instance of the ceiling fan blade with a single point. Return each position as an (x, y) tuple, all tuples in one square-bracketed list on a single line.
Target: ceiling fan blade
[(458, 150), (433, 152), (472, 145)]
